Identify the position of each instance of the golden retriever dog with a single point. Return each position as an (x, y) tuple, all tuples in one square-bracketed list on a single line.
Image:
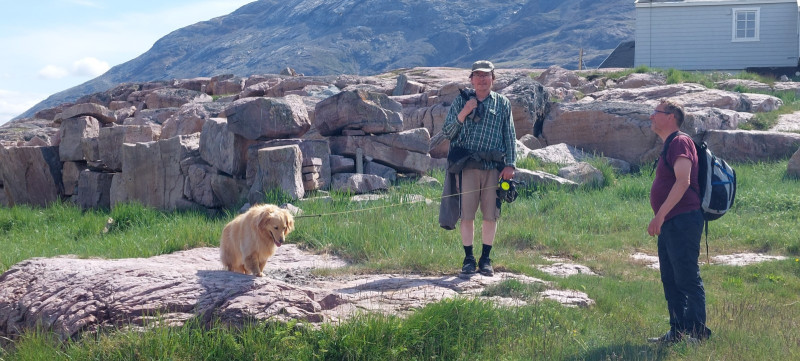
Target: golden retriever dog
[(252, 237)]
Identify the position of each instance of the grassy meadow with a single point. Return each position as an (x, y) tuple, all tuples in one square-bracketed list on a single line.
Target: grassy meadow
[(754, 311)]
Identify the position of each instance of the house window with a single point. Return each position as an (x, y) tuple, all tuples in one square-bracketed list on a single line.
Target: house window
[(746, 24)]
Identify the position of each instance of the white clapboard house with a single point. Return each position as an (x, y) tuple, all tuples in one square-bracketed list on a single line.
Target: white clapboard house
[(717, 34)]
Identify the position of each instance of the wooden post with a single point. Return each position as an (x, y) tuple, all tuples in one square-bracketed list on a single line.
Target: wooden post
[(580, 60)]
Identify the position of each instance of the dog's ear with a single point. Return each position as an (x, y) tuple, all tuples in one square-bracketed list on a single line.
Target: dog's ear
[(263, 220), (289, 222)]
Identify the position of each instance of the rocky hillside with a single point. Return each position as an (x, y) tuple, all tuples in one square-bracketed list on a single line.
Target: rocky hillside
[(368, 37)]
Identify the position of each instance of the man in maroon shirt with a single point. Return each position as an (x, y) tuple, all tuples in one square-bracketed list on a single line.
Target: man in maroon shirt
[(678, 223)]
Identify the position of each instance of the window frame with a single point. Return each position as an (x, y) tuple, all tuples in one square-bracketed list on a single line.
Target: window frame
[(757, 24)]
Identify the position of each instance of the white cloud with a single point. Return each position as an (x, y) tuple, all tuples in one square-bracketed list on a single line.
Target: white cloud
[(89, 67), (85, 68), (85, 38), (15, 103), (52, 72)]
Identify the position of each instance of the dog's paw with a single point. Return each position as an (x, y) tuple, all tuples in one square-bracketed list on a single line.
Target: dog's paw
[(260, 274)]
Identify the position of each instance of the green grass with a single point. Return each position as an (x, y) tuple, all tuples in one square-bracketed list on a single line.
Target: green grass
[(753, 310), (136, 231)]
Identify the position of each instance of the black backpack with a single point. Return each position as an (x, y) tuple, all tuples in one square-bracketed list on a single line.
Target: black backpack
[(717, 181)]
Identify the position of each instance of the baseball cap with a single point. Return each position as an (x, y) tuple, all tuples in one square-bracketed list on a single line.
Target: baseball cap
[(483, 65)]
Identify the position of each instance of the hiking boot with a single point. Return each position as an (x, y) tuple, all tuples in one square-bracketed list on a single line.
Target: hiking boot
[(469, 266), (485, 267), (668, 338)]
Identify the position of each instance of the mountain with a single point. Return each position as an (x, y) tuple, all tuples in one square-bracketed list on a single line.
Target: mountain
[(366, 37)]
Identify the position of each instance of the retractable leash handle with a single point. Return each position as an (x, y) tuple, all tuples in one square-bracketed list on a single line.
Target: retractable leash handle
[(507, 189)]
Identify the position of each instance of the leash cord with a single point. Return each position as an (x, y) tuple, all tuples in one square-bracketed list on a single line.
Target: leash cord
[(388, 205)]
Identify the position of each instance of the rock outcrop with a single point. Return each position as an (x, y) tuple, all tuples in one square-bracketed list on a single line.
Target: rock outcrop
[(31, 175), (70, 296)]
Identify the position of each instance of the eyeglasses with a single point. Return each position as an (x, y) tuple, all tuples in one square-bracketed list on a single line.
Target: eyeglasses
[(659, 111), (480, 74)]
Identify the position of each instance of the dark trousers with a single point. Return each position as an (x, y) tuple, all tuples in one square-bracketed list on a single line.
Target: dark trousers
[(678, 253)]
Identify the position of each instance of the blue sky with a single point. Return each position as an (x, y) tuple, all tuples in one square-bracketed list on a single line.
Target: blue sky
[(52, 45)]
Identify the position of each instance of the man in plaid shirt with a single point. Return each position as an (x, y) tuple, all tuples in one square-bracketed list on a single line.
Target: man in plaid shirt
[(482, 124)]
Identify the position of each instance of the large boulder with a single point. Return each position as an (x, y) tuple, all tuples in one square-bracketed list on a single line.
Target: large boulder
[(793, 168), (310, 149), (641, 80), (279, 169), (787, 123), (358, 183), (380, 170), (405, 151), (788, 86), (31, 175), (197, 84), (189, 119), (224, 149), (158, 116), (715, 98), (530, 104), (405, 86), (111, 139), (151, 172), (560, 153), (73, 132), (372, 113), (613, 129), (427, 111), (531, 142), (97, 111), (342, 164), (699, 120), (582, 173), (751, 145), (3, 195), (647, 96), (268, 118), (265, 88), (558, 77), (94, 190), (174, 98), (302, 86), (763, 103), (534, 179), (742, 84), (70, 173), (206, 187), (225, 84)]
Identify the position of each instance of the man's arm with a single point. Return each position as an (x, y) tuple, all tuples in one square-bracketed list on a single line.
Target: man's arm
[(683, 172), (458, 113)]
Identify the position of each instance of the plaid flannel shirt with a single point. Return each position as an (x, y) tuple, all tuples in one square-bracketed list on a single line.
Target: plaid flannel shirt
[(493, 131)]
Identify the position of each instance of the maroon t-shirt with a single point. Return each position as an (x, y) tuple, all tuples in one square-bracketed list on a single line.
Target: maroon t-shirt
[(681, 146)]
